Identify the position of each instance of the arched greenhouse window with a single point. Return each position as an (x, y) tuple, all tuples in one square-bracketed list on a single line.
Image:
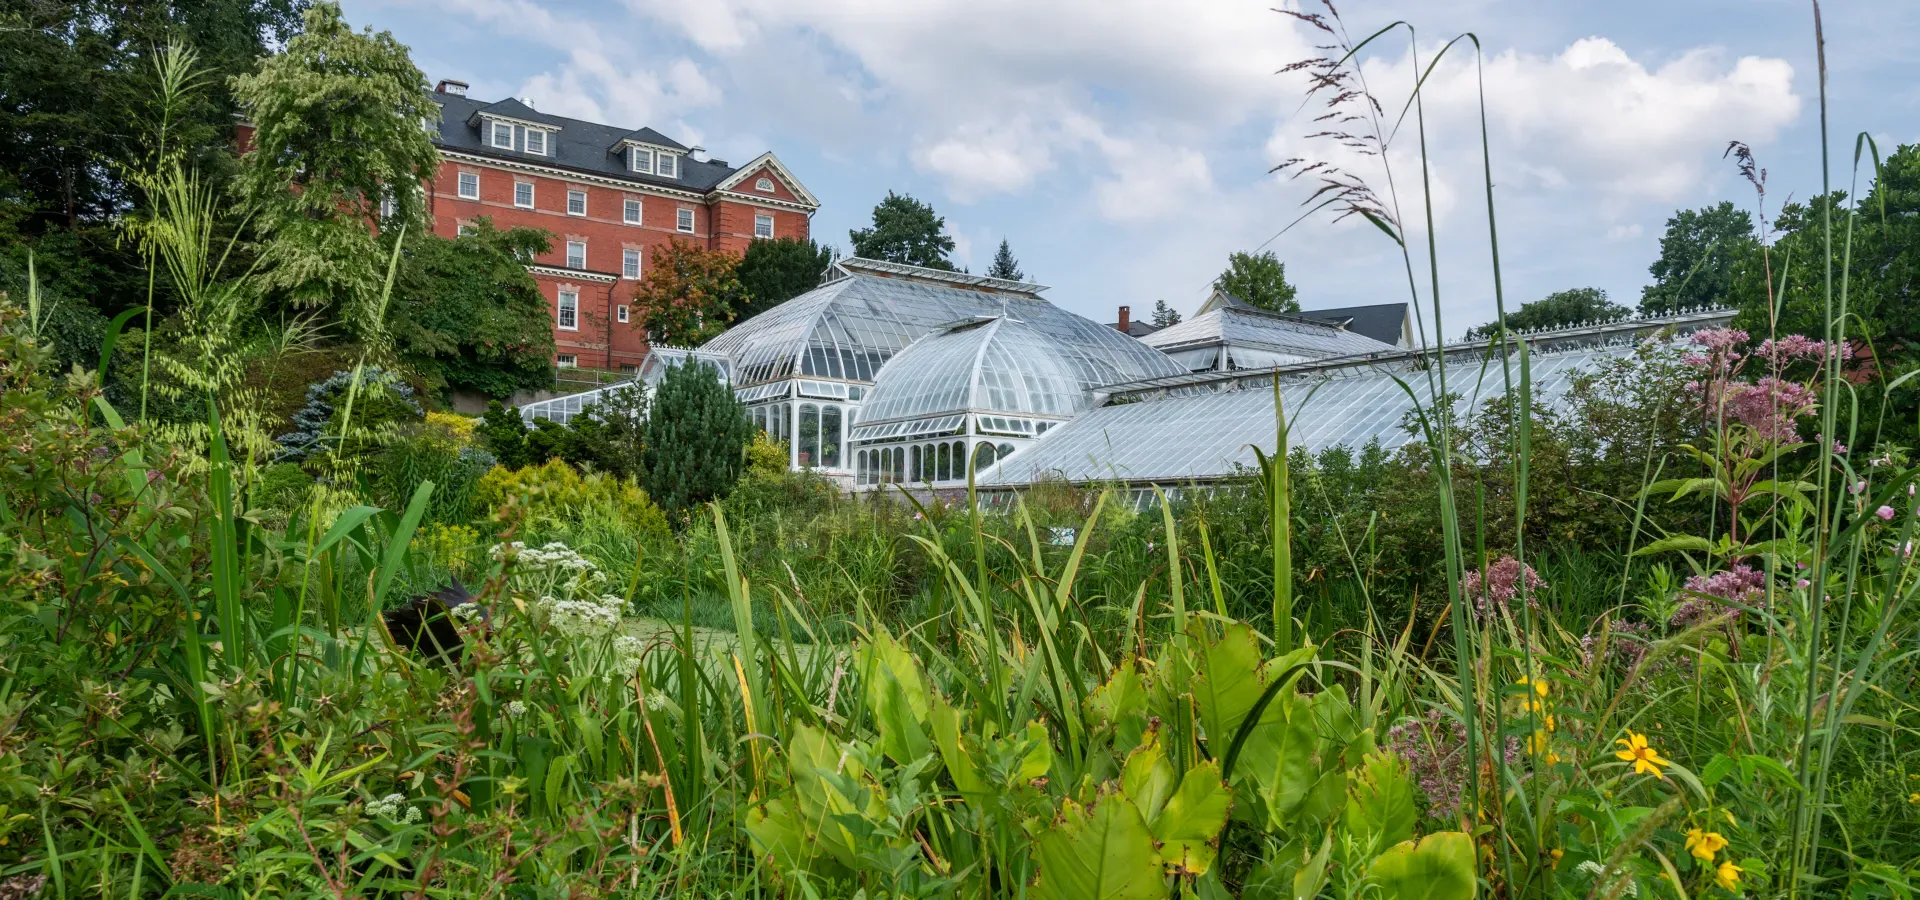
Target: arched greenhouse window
[(809, 435), (860, 467), (943, 468), (899, 465), (830, 437), (886, 465), (983, 456), (1006, 450), (913, 463)]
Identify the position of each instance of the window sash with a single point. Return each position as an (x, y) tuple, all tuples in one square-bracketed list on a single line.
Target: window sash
[(629, 265), (684, 220), (565, 361), (622, 314), (576, 203), (539, 138), (631, 213), (469, 186), (569, 315), (576, 254), (641, 161), (502, 136), (763, 226), (668, 166), (523, 194)]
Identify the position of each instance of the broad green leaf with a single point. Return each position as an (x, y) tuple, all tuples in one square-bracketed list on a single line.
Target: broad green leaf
[(777, 834), (1119, 707), (1147, 778), (1281, 755), (1102, 853), (1039, 755), (1440, 867), (1226, 681), (1187, 827), (949, 734), (896, 695), (1677, 542), (1380, 809)]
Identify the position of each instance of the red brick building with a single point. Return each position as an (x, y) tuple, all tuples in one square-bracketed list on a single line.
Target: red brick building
[(609, 195)]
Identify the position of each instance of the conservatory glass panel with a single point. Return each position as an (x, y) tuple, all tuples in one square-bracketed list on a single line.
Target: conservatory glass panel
[(913, 463), (809, 434), (899, 466), (830, 437), (983, 456), (943, 467)]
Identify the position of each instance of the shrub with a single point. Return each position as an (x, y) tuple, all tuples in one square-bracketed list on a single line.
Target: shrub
[(440, 451), (694, 439), (382, 401), (504, 434), (282, 486), (555, 493)]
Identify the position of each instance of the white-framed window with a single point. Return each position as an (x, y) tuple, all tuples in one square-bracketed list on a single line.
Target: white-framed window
[(763, 226), (669, 166), (523, 194), (536, 142), (566, 361), (469, 185), (764, 184), (576, 203), (576, 254), (683, 220), (630, 212), (629, 265), (640, 160), (620, 313), (464, 230), (502, 135), (388, 205), (569, 314)]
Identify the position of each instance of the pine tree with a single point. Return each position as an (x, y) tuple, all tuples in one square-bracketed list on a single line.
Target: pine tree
[(905, 230), (1004, 265), (695, 438), (1164, 315)]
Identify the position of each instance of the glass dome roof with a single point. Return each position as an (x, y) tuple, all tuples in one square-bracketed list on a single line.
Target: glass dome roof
[(987, 365), (849, 327)]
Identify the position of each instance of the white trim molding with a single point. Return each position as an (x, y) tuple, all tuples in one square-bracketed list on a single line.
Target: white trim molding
[(732, 183), (629, 185), (582, 274)]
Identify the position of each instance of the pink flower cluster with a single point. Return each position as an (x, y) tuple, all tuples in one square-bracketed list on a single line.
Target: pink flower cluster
[(1709, 597), (1770, 406), (1627, 645), (1501, 583), (1434, 747)]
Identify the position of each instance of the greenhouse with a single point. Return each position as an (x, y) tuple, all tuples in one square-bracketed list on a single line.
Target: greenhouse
[(1203, 427), (1228, 334), (805, 367)]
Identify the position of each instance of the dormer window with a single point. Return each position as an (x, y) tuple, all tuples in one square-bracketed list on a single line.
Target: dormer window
[(764, 185), (536, 142), (501, 135), (641, 160), (669, 166)]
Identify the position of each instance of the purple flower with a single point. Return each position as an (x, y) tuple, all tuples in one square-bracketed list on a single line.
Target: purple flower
[(1885, 513), (1709, 597), (1627, 645), (1500, 584), (1857, 487)]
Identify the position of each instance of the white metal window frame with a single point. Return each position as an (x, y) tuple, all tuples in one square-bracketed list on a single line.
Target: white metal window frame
[(533, 133), (640, 160), (565, 361), (621, 314), (629, 265), (567, 313), (630, 211), (526, 188), (497, 130), (469, 178), (767, 218), (579, 261), (667, 166), (683, 220), (576, 203)]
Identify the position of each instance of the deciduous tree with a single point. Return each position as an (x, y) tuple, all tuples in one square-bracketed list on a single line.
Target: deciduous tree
[(1701, 256), (688, 295), (1569, 307), (466, 315), (1260, 279)]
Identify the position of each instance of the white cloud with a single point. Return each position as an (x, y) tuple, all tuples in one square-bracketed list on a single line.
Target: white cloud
[(1626, 232)]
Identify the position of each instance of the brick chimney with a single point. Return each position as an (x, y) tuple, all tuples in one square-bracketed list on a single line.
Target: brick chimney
[(1126, 320)]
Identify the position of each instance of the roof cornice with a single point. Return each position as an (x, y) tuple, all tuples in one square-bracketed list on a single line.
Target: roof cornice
[(529, 123), (575, 174), (582, 274), (763, 200), (767, 159)]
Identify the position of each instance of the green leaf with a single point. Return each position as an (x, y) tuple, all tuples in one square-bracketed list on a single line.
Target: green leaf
[(1192, 819), (1147, 779), (1380, 802), (1103, 853), (1440, 867), (1120, 706), (1226, 681), (948, 733), (896, 695), (1677, 542)]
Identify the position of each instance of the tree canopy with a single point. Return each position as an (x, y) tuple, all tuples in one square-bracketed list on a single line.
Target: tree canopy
[(1004, 265), (1701, 256), (1164, 315), (688, 295), (466, 315), (695, 437), (905, 230), (773, 272), (337, 120), (1568, 307), (1260, 279)]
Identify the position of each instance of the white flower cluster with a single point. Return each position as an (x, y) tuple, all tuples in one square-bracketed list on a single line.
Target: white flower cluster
[(1596, 870), (394, 807), (628, 651), (588, 616), (554, 557), (516, 709)]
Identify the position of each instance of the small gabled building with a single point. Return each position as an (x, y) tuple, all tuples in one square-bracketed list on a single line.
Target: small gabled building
[(1229, 334)]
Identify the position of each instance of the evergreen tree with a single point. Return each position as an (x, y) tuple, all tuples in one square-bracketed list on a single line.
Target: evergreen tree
[(504, 434), (1569, 307), (1259, 279), (694, 443), (1004, 265), (773, 272), (1164, 315), (1702, 254), (905, 231), (336, 128)]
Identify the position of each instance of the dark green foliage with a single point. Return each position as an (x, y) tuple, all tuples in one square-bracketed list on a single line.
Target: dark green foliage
[(1570, 307), (73, 328), (281, 486), (773, 272), (695, 438), (427, 456), (382, 399), (1260, 279), (608, 436), (466, 315), (905, 230), (1164, 315), (504, 434), (1004, 265), (1702, 254)]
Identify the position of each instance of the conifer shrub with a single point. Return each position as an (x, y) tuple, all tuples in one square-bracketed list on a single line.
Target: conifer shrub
[(695, 439)]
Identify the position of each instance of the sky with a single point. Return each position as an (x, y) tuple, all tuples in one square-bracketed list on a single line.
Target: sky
[(1124, 147)]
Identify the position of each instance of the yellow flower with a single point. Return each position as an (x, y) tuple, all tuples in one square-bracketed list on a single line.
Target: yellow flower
[(1728, 875), (1704, 844), (1556, 853), (1539, 687), (1645, 759)]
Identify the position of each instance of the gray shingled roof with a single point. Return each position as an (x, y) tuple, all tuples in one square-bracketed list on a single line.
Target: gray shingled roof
[(1385, 322), (581, 146)]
